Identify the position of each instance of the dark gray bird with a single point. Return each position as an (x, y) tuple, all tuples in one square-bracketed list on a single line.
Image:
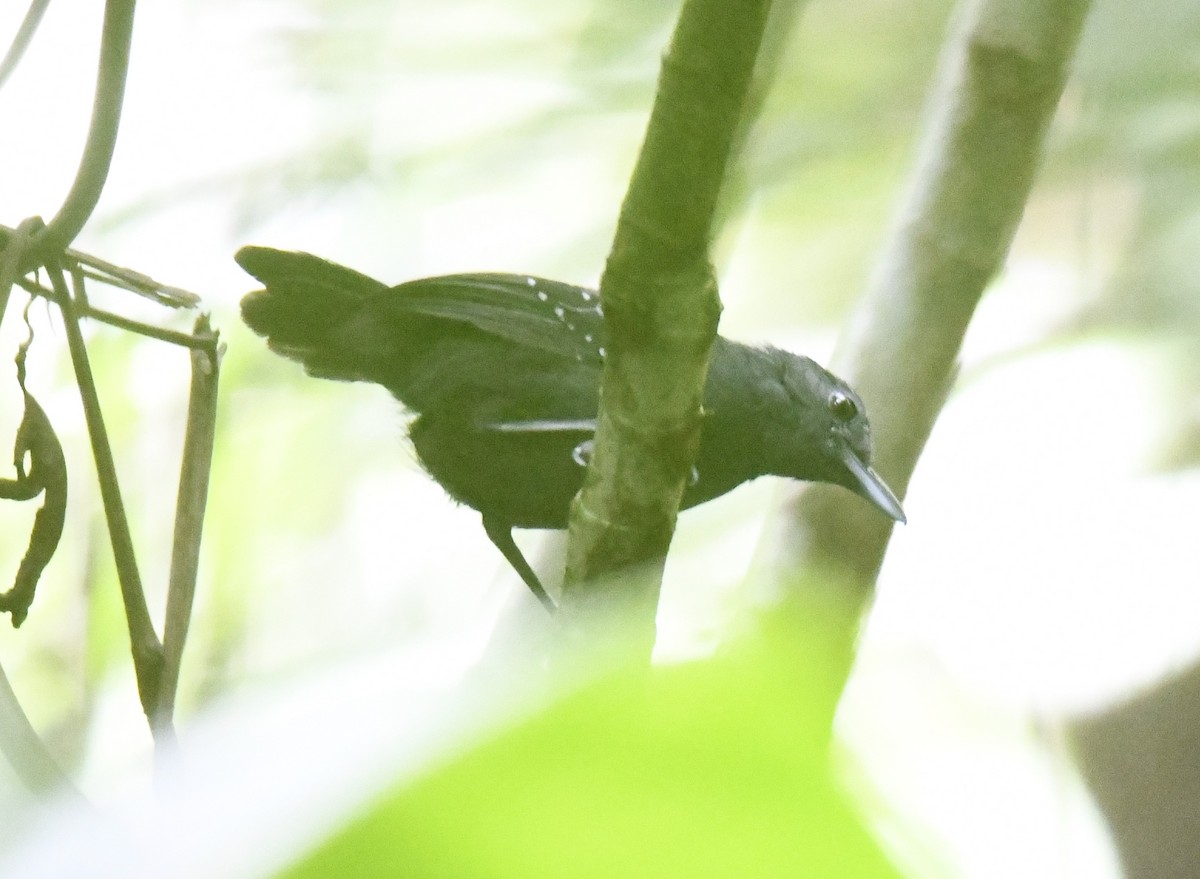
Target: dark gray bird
[(503, 374)]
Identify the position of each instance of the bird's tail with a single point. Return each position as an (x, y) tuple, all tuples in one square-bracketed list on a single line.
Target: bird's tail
[(308, 309)]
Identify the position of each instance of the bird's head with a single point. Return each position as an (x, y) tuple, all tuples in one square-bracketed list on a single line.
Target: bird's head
[(816, 429)]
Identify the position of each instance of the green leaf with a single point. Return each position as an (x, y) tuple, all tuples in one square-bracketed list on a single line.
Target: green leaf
[(713, 768)]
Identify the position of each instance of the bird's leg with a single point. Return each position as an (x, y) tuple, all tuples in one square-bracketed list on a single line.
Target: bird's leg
[(501, 535)]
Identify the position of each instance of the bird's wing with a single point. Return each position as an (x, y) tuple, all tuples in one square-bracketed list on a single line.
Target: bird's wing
[(533, 312)]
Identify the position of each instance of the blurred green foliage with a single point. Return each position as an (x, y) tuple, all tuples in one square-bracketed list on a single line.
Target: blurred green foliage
[(713, 768)]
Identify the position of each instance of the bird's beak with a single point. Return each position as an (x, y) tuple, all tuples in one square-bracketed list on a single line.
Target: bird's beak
[(868, 484)]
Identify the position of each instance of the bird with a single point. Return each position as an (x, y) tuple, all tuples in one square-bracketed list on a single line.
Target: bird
[(502, 373)]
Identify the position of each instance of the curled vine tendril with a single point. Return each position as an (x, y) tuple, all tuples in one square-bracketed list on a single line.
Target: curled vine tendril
[(37, 443)]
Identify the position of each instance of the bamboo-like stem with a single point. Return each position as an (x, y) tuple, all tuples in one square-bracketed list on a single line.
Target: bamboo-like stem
[(661, 309)]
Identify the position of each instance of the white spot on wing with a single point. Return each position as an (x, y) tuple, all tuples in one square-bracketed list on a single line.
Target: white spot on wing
[(571, 425), (582, 453)]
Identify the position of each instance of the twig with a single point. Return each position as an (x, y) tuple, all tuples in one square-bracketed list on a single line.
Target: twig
[(76, 262), (146, 648), (189, 511), (85, 309), (174, 337)]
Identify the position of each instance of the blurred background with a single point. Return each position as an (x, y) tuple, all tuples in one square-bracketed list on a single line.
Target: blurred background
[(1048, 569)]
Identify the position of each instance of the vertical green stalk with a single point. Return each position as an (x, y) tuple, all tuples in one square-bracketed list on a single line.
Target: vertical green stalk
[(661, 309), (146, 648), (189, 511)]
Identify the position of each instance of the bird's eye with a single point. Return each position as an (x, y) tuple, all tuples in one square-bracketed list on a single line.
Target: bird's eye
[(842, 407)]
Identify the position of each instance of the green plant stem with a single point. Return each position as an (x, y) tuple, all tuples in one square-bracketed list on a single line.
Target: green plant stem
[(78, 263), (189, 511), (24, 36), (101, 142), (661, 309), (24, 750), (146, 649)]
